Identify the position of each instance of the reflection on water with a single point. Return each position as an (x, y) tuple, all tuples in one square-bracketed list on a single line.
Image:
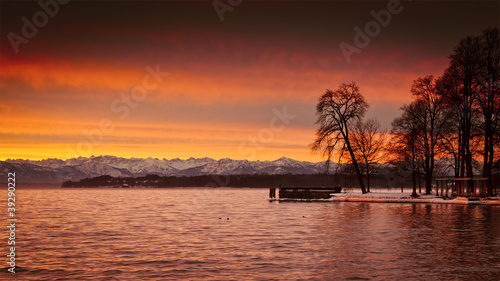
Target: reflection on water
[(217, 234)]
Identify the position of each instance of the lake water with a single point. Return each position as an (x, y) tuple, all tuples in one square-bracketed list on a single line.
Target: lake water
[(237, 234)]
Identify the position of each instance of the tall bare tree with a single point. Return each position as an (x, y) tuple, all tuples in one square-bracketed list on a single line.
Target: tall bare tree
[(430, 121), (464, 64), (459, 113), (337, 111), (368, 143), (406, 143), (488, 97), (451, 142)]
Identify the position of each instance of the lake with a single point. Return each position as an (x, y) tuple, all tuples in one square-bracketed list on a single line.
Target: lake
[(237, 234)]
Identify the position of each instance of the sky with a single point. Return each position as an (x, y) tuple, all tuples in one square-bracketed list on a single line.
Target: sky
[(172, 80)]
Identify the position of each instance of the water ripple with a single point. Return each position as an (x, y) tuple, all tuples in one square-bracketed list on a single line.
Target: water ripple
[(236, 234)]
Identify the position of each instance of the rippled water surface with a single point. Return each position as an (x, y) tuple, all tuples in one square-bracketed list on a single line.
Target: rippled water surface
[(236, 234)]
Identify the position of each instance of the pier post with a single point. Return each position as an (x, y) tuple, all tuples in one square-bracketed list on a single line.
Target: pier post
[(446, 195), (272, 193)]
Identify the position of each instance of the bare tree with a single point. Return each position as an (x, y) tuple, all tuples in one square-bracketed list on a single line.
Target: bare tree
[(407, 144), (459, 113), (471, 88), (368, 143), (337, 111), (430, 121), (462, 122), (464, 64), (488, 97), (451, 142)]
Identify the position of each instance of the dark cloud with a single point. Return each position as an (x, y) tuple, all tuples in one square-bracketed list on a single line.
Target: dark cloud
[(264, 55)]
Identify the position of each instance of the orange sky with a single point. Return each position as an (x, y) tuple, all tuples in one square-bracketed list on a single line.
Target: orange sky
[(226, 81)]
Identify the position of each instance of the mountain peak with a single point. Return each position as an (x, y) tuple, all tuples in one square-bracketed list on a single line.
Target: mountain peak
[(86, 167)]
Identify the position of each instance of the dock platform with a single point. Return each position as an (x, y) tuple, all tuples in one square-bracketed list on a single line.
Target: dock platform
[(308, 193)]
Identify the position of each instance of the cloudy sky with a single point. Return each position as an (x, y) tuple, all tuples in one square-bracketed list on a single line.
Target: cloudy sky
[(91, 78)]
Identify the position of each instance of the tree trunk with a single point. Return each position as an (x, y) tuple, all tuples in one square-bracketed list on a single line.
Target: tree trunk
[(367, 177), (356, 167), (464, 141), (467, 139), (414, 193), (419, 184), (428, 176), (488, 156), (431, 172), (462, 160), (490, 177)]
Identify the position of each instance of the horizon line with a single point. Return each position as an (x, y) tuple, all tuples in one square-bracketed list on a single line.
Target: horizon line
[(129, 158)]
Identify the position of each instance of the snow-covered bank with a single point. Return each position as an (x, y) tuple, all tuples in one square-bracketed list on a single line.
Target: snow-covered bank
[(390, 197)]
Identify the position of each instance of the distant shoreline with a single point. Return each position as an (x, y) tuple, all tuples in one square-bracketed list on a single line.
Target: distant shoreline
[(254, 180)]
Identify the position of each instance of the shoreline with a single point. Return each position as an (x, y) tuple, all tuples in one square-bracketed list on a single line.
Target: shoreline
[(407, 199), (382, 197)]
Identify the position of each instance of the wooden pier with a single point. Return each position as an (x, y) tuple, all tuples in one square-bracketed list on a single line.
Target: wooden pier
[(461, 187), (303, 192)]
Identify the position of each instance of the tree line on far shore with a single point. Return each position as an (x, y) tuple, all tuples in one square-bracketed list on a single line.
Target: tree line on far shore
[(454, 116), (256, 180)]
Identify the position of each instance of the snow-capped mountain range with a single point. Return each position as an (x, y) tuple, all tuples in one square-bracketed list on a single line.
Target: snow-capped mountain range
[(74, 169)]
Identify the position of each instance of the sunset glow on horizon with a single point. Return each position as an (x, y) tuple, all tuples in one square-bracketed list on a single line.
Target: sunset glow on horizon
[(170, 80)]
